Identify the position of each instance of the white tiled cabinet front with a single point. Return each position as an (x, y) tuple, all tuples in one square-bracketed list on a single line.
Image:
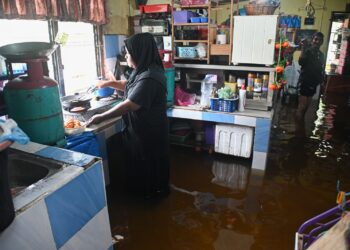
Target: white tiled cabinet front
[(234, 140), (254, 39)]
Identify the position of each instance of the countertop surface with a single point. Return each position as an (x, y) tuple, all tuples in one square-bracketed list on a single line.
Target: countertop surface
[(247, 112), (103, 125)]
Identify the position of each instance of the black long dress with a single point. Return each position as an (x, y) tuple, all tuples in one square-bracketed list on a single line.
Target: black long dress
[(146, 136), (7, 212)]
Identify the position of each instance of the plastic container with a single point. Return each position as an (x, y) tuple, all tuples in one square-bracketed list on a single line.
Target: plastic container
[(187, 52), (155, 8), (183, 16), (204, 19), (223, 105), (242, 97), (105, 92), (206, 90), (170, 85), (209, 131), (234, 140), (195, 19), (240, 82)]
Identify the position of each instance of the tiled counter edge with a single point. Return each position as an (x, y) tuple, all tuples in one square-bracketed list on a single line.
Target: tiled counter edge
[(260, 120), (71, 209)]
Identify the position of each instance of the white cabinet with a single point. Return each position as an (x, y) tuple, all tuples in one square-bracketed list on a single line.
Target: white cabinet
[(254, 39)]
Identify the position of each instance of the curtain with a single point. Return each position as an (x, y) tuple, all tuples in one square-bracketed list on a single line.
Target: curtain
[(92, 11)]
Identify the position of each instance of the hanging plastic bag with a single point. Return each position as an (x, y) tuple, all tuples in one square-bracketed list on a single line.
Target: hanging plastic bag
[(292, 73), (84, 143), (183, 98)]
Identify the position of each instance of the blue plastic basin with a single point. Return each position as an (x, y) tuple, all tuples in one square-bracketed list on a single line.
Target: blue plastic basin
[(104, 92)]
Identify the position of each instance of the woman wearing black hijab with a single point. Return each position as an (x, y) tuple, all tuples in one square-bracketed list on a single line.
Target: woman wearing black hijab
[(145, 137)]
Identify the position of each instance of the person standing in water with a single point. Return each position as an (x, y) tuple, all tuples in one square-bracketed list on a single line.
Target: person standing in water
[(145, 137), (312, 62)]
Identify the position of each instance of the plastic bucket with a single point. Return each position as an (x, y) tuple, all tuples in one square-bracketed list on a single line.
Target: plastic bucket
[(170, 85)]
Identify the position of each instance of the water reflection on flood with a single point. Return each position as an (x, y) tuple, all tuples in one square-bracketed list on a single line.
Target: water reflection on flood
[(219, 202)]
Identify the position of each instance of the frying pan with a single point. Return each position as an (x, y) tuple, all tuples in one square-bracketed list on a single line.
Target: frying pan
[(27, 50), (78, 100)]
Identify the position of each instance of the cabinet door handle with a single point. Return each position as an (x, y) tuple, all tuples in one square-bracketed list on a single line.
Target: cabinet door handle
[(269, 41)]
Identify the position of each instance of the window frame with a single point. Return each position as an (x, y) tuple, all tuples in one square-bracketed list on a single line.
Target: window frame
[(56, 57)]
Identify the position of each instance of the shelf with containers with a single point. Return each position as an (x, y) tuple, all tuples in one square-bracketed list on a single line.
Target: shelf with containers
[(255, 119), (190, 30), (203, 36), (337, 56), (221, 29), (259, 96), (156, 19)]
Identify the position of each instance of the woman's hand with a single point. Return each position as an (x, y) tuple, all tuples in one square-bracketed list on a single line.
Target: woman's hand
[(95, 120), (102, 84)]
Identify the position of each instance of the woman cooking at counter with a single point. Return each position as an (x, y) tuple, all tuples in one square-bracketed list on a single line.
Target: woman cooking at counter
[(145, 138)]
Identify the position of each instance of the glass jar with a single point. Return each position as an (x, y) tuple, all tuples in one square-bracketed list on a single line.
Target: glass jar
[(250, 82)]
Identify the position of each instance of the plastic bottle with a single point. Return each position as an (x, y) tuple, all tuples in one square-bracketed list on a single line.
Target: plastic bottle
[(242, 96), (240, 82), (206, 89)]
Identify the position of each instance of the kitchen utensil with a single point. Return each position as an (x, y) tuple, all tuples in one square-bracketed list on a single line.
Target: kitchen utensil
[(27, 50), (77, 100)]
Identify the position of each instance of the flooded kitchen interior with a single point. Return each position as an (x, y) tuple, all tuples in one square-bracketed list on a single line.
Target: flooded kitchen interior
[(219, 202)]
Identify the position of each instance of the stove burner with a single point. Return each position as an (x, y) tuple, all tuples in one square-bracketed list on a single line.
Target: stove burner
[(96, 107)]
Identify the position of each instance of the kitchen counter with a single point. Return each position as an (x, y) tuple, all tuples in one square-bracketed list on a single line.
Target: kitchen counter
[(259, 120), (103, 132), (63, 210)]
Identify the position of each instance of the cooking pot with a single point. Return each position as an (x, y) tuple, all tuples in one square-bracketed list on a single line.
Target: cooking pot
[(77, 100)]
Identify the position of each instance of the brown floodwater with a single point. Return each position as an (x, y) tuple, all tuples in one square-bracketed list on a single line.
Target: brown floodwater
[(219, 202)]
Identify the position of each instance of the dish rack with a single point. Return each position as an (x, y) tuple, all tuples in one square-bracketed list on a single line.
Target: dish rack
[(314, 228)]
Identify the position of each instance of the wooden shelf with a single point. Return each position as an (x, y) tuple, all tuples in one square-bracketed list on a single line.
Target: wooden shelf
[(220, 49), (197, 6), (190, 41), (190, 24), (210, 50), (196, 58)]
